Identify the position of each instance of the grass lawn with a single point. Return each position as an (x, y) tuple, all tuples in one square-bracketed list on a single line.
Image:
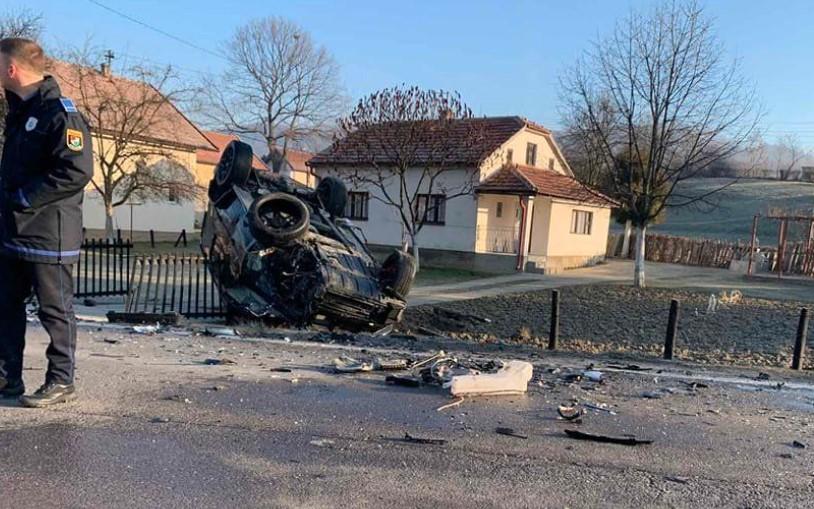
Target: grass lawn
[(431, 276), (730, 215)]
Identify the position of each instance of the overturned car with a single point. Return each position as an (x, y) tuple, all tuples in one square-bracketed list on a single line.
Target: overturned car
[(282, 252)]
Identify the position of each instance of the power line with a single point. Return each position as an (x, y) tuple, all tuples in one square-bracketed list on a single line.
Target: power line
[(158, 30)]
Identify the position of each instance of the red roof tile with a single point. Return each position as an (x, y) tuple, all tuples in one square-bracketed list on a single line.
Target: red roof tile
[(519, 179), (88, 88), (495, 131), (220, 140)]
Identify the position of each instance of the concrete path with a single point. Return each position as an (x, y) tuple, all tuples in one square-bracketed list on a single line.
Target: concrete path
[(659, 275), (156, 427)]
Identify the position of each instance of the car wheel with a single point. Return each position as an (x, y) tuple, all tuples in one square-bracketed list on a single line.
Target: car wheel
[(398, 273), (333, 194), (233, 169), (278, 219)]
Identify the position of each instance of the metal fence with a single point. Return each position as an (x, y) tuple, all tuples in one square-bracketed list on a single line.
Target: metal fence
[(173, 283), (103, 268)]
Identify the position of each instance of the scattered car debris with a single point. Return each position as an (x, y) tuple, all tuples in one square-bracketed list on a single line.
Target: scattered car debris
[(110, 341), (692, 386), (571, 413), (786, 455), (599, 407), (509, 432), (629, 367), (762, 376), (160, 420), (592, 375), (626, 440), (798, 445), (405, 381), (347, 364), (177, 398), (283, 253), (426, 441), (221, 332), (281, 370), (512, 378), (571, 378), (217, 362), (450, 405), (677, 479), (87, 301), (322, 442), (146, 329)]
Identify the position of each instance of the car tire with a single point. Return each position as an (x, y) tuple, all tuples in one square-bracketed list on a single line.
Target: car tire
[(398, 272), (333, 195), (233, 169), (278, 219)]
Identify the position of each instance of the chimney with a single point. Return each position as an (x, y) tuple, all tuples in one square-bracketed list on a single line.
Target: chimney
[(105, 69)]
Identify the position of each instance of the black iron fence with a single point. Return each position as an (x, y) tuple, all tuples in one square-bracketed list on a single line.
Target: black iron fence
[(103, 268), (173, 283)]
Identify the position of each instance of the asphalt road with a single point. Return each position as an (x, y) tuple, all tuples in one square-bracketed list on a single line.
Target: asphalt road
[(155, 427)]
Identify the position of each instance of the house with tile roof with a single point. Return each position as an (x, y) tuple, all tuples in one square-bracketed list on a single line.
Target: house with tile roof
[(169, 135), (527, 211)]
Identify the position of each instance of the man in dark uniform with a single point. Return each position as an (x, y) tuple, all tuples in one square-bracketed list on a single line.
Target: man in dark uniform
[(46, 164)]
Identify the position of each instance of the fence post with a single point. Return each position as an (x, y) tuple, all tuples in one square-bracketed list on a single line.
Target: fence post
[(152, 238), (800, 343), (672, 327), (554, 331)]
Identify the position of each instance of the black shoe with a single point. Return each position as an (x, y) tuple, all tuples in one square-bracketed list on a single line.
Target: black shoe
[(12, 389), (49, 394)]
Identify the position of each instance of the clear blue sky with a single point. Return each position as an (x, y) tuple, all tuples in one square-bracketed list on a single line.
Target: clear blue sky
[(503, 56)]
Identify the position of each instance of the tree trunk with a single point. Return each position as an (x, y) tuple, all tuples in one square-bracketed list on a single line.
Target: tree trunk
[(626, 239), (414, 251), (109, 233), (638, 265)]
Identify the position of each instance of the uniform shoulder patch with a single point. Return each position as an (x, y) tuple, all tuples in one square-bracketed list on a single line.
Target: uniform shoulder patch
[(75, 140), (68, 105)]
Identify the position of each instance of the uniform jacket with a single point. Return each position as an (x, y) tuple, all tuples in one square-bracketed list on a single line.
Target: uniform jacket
[(47, 162)]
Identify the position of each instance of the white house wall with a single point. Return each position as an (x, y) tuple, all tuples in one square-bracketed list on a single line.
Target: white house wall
[(162, 216), (384, 226)]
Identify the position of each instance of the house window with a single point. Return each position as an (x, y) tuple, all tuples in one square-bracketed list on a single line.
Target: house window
[(499, 210), (531, 154), (581, 222), (431, 208), (357, 205), (509, 155), (172, 195), (551, 163)]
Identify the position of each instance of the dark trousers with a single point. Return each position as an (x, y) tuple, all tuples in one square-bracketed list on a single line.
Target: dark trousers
[(53, 286)]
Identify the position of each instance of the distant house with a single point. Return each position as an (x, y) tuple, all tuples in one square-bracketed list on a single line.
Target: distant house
[(296, 161), (207, 159), (527, 213), (171, 132)]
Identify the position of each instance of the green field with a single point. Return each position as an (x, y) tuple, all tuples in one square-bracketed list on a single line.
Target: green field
[(730, 216)]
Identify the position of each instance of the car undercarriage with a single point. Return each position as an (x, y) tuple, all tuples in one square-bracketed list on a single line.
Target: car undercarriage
[(283, 253)]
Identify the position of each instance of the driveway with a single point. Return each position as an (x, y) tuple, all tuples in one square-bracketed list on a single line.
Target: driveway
[(659, 275)]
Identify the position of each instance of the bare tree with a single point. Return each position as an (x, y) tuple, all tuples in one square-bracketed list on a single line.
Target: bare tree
[(788, 155), (677, 107), (279, 85), (124, 115), (22, 23), (413, 149)]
